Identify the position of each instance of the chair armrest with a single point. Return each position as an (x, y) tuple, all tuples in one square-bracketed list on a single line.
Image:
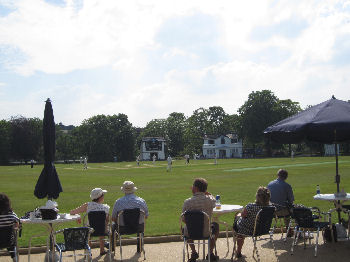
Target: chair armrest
[(58, 231)]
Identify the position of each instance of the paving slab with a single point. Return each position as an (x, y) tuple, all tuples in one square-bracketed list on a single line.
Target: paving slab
[(172, 252)]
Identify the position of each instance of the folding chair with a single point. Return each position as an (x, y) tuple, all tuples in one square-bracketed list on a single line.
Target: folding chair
[(97, 221), (8, 240), (195, 221), (76, 238), (262, 226), (131, 221), (280, 219), (305, 221)]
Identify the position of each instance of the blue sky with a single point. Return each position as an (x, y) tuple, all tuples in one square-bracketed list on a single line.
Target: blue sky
[(147, 59)]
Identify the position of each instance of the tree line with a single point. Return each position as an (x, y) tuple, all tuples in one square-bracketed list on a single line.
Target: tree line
[(105, 137)]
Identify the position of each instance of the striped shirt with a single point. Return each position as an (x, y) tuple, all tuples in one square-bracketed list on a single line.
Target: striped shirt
[(129, 201), (8, 219)]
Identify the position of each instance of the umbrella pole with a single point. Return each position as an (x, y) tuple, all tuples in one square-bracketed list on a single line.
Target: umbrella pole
[(337, 176)]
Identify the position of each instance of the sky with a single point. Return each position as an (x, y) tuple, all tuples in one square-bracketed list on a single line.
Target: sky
[(149, 58)]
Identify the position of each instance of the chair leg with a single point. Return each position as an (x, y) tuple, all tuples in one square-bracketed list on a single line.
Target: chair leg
[(143, 245), (184, 251), (295, 239), (203, 247), (209, 253), (273, 244), (316, 245), (120, 247), (255, 249), (289, 227), (234, 244)]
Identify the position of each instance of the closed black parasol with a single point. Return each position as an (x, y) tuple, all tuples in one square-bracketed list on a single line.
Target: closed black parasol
[(48, 183)]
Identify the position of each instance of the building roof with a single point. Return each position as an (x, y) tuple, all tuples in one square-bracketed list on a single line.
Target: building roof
[(231, 136), (153, 138)]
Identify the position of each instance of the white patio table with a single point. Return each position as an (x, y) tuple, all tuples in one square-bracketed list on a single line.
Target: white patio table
[(49, 225), (225, 209), (338, 199)]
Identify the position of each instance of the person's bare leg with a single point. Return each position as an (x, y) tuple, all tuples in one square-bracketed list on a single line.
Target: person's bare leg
[(190, 243), (102, 245), (240, 242), (213, 241)]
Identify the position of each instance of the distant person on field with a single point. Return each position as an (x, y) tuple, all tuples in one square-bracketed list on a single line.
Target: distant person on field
[(31, 163), (96, 204), (85, 163), (187, 157), (215, 159), (154, 159), (204, 201), (244, 222), (170, 163), (7, 216), (138, 160), (129, 201), (281, 195)]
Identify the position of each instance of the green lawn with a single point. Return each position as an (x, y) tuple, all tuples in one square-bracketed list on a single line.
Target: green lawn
[(236, 180)]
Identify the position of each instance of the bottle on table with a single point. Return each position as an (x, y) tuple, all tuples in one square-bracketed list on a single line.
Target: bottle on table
[(217, 204), (318, 191)]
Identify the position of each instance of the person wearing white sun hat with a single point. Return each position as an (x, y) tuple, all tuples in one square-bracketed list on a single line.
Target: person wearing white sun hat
[(97, 197), (129, 201)]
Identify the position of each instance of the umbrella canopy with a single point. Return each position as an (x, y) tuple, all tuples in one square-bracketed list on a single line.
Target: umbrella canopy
[(48, 183), (328, 122)]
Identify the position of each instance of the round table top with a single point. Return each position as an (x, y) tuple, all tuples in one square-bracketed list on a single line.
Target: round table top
[(332, 197), (227, 209), (60, 218)]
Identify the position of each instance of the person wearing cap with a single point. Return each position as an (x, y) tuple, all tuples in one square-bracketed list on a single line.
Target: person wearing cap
[(129, 201), (97, 197), (204, 201)]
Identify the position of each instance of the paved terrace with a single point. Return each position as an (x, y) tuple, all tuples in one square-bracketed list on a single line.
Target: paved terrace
[(172, 252)]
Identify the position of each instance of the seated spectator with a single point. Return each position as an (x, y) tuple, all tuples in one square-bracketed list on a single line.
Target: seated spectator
[(7, 216), (204, 201), (244, 222), (282, 196), (129, 201), (97, 197)]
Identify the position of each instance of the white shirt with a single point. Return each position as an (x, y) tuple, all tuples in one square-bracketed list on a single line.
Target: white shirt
[(94, 206)]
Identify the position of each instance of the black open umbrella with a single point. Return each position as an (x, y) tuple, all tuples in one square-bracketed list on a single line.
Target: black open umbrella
[(328, 123), (48, 183)]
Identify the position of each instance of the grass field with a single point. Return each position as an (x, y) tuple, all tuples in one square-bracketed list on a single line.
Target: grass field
[(236, 180)]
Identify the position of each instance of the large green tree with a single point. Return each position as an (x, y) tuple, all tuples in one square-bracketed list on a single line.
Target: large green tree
[(175, 129), (27, 139), (5, 141), (262, 109), (103, 137)]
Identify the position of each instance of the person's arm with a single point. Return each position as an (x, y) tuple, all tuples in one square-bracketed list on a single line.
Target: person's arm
[(290, 195), (115, 213), (78, 210), (244, 213)]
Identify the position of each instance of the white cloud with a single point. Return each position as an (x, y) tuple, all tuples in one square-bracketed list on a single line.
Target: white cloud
[(121, 36)]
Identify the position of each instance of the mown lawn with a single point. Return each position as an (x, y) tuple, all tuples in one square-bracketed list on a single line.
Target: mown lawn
[(236, 180)]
